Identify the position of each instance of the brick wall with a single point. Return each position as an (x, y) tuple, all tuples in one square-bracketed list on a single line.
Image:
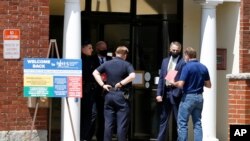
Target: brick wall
[(239, 84), (239, 100), (32, 18), (245, 36)]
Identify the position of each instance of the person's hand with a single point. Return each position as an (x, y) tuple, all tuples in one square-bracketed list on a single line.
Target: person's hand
[(172, 83), (106, 87), (118, 85), (169, 83), (159, 98)]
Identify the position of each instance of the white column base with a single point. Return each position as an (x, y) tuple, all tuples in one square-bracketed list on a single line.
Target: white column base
[(210, 139)]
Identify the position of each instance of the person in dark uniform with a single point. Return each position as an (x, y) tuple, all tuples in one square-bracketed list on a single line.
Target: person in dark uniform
[(120, 74), (88, 108), (92, 102), (168, 97), (99, 58)]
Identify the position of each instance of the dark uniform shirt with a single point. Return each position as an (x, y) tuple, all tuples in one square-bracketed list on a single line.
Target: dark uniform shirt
[(116, 69), (116, 105)]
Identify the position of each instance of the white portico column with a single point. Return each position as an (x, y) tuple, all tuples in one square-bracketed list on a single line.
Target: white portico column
[(70, 127), (208, 58)]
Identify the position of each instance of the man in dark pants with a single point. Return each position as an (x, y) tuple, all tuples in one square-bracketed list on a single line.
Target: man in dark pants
[(120, 74), (89, 89), (92, 102), (98, 114), (167, 96)]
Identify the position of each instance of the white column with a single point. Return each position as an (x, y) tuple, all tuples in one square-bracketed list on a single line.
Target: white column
[(71, 50), (208, 58)]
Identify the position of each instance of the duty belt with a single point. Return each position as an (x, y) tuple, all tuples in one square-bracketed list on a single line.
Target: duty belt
[(124, 93), (114, 89)]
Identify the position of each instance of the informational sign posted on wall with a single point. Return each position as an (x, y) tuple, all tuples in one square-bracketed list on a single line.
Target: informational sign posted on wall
[(11, 43), (45, 77)]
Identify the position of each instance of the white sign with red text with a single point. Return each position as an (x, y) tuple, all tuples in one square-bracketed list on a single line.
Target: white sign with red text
[(11, 43)]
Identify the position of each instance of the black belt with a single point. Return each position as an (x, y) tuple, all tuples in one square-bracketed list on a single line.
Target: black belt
[(114, 89), (124, 93)]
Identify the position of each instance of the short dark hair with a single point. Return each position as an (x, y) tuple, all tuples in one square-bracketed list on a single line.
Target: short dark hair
[(85, 43)]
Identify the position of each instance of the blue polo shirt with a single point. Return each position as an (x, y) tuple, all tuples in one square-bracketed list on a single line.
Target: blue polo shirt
[(116, 70), (194, 74)]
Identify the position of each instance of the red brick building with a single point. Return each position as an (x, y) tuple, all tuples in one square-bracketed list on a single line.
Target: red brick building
[(32, 18)]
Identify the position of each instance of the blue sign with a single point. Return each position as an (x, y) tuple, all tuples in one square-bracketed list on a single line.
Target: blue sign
[(52, 77)]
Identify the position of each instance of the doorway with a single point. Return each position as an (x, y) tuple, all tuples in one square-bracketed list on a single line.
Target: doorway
[(147, 57), (147, 39)]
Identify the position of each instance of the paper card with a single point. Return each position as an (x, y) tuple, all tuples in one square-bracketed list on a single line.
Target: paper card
[(104, 77), (171, 75)]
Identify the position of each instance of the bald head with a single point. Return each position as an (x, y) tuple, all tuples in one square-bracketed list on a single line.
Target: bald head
[(101, 45), (101, 48)]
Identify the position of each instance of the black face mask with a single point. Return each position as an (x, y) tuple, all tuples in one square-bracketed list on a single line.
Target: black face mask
[(103, 52), (174, 54)]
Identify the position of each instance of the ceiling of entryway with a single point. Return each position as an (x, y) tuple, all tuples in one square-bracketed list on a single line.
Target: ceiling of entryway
[(57, 7), (147, 7)]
